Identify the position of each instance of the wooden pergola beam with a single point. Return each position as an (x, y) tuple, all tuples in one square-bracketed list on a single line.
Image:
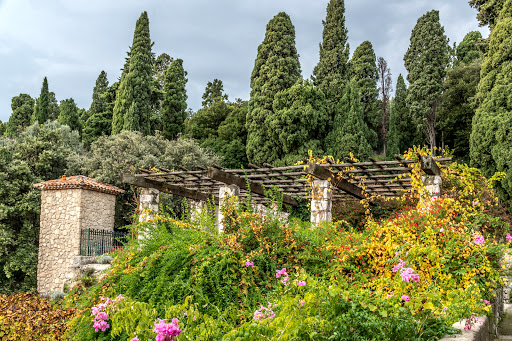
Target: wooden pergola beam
[(323, 173), (167, 188), (232, 179)]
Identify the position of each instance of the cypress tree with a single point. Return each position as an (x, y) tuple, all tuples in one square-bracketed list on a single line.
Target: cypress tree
[(42, 108), (100, 123), (350, 130), (468, 50), (22, 108), (491, 135), (385, 88), (406, 130), (426, 61), (364, 73), (488, 11), (331, 74), (276, 68), (393, 143), (174, 106), (69, 115), (98, 100), (132, 110)]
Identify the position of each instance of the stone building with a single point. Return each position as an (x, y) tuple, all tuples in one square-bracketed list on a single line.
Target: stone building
[(68, 205)]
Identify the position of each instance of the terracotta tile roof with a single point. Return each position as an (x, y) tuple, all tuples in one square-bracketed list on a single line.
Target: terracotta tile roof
[(78, 181)]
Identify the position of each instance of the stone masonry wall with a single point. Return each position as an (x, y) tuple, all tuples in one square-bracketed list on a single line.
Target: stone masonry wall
[(98, 210), (59, 238), (63, 213)]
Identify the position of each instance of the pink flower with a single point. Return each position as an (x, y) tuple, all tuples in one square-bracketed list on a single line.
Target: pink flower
[(302, 283), (405, 298), (248, 264), (407, 275), (509, 237), (486, 302), (281, 272), (100, 325), (478, 239), (135, 339), (301, 303), (166, 331), (388, 296), (400, 265), (441, 230), (285, 280)]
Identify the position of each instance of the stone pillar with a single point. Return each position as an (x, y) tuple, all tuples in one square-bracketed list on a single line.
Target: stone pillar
[(225, 193), (148, 206), (70, 208), (321, 201), (433, 184), (196, 207)]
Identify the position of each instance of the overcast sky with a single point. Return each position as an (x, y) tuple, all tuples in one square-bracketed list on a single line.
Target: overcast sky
[(71, 41)]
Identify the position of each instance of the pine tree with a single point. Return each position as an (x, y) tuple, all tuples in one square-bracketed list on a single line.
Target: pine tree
[(349, 131), (132, 110), (22, 108), (214, 92), (69, 115), (467, 51), (491, 137), (42, 108), (364, 73), (174, 106), (331, 74), (276, 68), (100, 123), (426, 61)]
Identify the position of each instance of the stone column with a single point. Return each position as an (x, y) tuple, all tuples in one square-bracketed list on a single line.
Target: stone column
[(321, 201), (196, 208), (433, 184), (225, 193), (148, 206)]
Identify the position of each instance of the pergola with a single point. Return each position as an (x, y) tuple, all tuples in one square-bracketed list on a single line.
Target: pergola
[(348, 180)]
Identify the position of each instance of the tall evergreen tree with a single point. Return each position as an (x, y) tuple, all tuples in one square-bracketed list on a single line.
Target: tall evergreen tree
[(100, 123), (22, 108), (174, 106), (331, 74), (69, 115), (276, 68), (161, 65), (364, 73), (349, 130), (214, 91), (98, 100), (42, 108), (393, 141), (298, 123), (491, 136), (132, 110), (406, 130), (467, 51), (232, 136), (488, 11), (385, 88), (426, 61)]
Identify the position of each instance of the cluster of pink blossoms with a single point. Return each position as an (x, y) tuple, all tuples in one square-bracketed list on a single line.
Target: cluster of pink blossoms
[(405, 298), (283, 273), (407, 274), (478, 239), (248, 264), (100, 314), (470, 322), (166, 331), (264, 312), (509, 237)]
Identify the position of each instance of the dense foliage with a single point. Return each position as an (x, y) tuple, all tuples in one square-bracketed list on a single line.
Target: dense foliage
[(409, 276)]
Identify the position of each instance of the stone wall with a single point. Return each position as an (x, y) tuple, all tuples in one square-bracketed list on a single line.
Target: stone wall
[(98, 210), (63, 213)]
